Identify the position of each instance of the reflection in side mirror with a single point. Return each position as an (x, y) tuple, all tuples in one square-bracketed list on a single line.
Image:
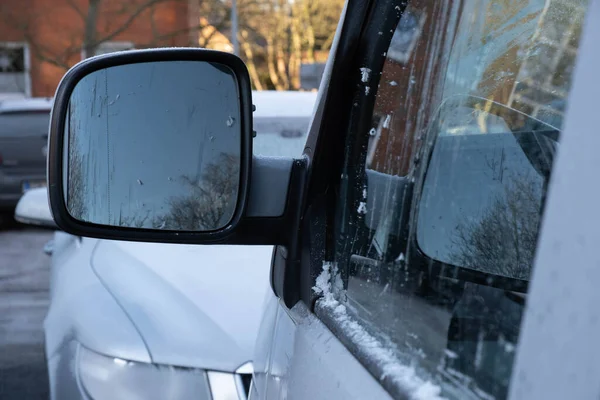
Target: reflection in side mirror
[(484, 189), (154, 145)]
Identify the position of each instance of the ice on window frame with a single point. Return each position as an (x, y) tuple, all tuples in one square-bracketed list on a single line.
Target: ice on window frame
[(365, 74), (362, 208), (402, 375)]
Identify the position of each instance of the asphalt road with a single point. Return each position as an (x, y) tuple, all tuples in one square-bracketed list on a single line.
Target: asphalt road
[(24, 271)]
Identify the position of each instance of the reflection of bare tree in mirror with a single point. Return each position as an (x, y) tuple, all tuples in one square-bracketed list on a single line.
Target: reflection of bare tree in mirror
[(503, 240), (211, 199), (76, 184), (136, 221)]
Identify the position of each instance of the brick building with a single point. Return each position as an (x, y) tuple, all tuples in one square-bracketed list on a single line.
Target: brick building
[(41, 39)]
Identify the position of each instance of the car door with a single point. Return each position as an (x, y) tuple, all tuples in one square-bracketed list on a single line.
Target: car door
[(431, 150)]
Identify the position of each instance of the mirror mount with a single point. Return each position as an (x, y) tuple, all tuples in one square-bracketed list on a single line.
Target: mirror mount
[(58, 141)]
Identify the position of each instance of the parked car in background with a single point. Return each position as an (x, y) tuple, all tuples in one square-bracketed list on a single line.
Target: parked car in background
[(281, 121), (23, 147), (161, 321)]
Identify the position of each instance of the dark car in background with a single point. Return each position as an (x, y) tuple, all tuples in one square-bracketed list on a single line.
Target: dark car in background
[(23, 147)]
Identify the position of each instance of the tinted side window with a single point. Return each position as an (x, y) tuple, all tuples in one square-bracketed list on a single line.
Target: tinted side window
[(437, 233), (23, 124)]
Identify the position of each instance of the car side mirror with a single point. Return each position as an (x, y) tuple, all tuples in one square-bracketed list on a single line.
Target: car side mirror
[(33, 209), (152, 145)]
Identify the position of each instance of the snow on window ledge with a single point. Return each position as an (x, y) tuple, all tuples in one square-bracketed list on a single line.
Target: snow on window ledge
[(389, 368)]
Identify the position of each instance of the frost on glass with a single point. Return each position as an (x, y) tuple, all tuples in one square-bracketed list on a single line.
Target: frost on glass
[(438, 234)]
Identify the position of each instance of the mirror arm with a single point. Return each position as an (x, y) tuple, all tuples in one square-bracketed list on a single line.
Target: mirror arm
[(277, 223)]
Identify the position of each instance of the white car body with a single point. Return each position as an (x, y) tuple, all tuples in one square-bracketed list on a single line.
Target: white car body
[(195, 307)]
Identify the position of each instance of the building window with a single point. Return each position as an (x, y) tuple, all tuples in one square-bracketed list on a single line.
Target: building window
[(14, 69)]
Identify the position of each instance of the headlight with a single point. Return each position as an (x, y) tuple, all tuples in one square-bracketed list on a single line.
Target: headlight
[(113, 378), (226, 386)]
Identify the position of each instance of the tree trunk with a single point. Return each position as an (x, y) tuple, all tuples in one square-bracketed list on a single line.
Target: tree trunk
[(295, 53), (281, 66), (250, 62), (91, 22), (309, 33), (271, 64)]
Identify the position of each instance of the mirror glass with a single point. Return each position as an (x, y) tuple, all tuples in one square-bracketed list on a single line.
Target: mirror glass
[(154, 145), (484, 188)]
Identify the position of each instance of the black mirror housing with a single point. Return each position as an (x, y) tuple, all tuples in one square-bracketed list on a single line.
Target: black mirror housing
[(58, 163)]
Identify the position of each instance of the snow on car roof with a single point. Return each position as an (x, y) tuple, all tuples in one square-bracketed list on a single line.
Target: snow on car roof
[(26, 104), (273, 103)]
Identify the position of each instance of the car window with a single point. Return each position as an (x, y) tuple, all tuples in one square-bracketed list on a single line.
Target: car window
[(437, 227), (22, 124)]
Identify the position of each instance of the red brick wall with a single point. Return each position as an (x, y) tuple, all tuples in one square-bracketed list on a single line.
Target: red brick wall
[(408, 104), (56, 28)]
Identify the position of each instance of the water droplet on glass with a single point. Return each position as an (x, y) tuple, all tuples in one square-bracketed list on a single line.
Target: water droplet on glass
[(230, 121), (139, 181)]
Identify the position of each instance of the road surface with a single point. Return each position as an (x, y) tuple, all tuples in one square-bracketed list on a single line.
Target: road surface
[(24, 271)]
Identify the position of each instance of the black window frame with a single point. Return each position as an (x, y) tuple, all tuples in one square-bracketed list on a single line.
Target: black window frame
[(378, 28)]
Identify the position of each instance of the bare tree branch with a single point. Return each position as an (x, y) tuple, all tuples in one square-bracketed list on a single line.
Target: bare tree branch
[(76, 8), (159, 37), (41, 54), (132, 17), (211, 200), (503, 241)]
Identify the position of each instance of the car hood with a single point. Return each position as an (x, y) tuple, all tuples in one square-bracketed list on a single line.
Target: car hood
[(194, 306)]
